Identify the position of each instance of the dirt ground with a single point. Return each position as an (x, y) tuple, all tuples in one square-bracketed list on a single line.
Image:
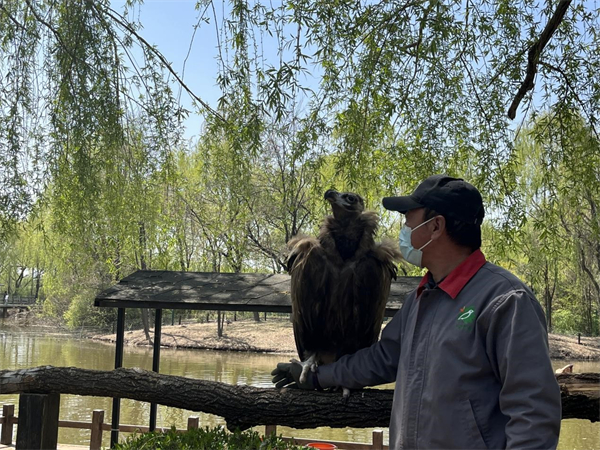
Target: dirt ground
[(273, 336), (566, 347), (277, 336)]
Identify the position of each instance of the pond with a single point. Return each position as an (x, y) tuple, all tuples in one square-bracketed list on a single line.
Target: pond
[(22, 350)]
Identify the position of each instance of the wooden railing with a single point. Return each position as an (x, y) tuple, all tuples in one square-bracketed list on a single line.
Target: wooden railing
[(17, 300), (97, 426)]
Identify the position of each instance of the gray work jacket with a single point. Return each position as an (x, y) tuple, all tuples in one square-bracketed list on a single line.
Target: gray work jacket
[(471, 364)]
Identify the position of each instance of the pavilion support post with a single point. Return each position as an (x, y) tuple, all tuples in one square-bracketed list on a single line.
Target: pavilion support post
[(156, 361), (38, 421), (116, 408)]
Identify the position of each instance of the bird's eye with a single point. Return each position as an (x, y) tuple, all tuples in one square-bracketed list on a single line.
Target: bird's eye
[(351, 198)]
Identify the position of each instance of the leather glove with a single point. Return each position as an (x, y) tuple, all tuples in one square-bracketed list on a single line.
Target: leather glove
[(288, 375)]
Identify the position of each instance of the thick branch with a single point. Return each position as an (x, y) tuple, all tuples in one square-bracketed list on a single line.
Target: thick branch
[(240, 406), (534, 55), (246, 406)]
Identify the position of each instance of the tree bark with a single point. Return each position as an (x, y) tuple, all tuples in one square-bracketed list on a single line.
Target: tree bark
[(245, 406), (580, 395), (145, 312), (220, 320), (144, 266)]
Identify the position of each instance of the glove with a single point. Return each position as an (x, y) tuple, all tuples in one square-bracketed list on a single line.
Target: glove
[(288, 375)]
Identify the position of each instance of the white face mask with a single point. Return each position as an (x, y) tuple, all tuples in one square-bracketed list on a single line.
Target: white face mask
[(411, 254)]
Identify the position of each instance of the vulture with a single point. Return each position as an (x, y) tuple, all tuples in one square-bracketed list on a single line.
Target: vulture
[(340, 282)]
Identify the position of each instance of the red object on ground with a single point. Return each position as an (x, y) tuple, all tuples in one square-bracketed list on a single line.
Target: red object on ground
[(322, 446)]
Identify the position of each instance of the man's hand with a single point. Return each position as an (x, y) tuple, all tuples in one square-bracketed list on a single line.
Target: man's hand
[(288, 375)]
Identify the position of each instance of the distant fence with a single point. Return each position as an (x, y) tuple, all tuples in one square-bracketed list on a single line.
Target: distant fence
[(17, 300)]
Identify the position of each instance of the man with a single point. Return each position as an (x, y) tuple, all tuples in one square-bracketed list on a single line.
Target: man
[(468, 350)]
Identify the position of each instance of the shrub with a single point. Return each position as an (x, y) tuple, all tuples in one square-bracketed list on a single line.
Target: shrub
[(205, 439)]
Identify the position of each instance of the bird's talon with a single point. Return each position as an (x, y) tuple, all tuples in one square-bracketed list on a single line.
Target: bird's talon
[(345, 394)]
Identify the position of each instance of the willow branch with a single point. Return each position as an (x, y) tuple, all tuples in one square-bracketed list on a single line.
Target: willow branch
[(119, 19)]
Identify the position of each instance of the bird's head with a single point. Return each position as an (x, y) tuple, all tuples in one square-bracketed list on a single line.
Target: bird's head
[(345, 205)]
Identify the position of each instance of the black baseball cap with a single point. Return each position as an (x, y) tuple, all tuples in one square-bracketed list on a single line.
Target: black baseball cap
[(452, 197)]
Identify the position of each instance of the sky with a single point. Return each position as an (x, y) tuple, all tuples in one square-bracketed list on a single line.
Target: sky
[(171, 25)]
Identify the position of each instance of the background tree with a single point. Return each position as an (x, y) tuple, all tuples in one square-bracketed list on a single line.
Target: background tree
[(371, 97)]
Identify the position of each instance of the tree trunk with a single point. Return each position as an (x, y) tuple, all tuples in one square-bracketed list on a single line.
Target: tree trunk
[(144, 266), (146, 324), (256, 316), (245, 406), (37, 284), (548, 297), (220, 317)]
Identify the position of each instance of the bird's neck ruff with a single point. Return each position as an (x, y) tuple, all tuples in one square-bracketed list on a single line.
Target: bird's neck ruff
[(351, 238), (367, 221)]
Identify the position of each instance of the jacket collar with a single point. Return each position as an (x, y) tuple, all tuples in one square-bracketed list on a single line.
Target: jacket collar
[(459, 277)]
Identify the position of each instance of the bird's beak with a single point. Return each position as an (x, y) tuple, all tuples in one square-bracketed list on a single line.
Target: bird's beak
[(331, 195)]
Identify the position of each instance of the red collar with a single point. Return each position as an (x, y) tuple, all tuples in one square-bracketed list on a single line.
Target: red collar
[(459, 277)]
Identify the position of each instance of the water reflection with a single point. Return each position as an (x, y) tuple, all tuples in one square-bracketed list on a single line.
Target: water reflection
[(21, 350)]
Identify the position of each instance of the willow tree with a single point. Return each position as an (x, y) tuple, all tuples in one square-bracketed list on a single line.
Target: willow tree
[(558, 250), (430, 86), (87, 124), (388, 92), (413, 86), (74, 77)]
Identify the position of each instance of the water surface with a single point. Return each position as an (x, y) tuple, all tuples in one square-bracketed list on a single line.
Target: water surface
[(22, 350)]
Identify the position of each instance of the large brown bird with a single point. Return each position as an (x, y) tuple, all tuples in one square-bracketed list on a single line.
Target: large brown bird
[(340, 283)]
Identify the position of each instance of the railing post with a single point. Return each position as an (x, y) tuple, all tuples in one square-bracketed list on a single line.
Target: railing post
[(377, 440), (8, 413), (270, 429), (97, 421), (38, 421), (193, 422)]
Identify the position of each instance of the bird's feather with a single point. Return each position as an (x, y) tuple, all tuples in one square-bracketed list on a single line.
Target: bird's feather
[(340, 283)]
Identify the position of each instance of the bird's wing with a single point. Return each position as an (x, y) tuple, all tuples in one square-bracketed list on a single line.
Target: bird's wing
[(388, 254), (310, 286), (366, 287)]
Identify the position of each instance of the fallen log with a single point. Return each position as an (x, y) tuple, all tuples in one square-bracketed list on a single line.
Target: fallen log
[(246, 406), (580, 395)]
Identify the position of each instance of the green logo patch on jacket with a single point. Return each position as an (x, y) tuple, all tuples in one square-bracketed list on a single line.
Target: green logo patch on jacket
[(466, 318)]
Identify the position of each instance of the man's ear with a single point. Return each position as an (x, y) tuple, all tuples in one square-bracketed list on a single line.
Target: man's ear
[(439, 227)]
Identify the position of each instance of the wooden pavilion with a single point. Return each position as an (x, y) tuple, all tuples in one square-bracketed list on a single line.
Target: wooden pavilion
[(205, 291)]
